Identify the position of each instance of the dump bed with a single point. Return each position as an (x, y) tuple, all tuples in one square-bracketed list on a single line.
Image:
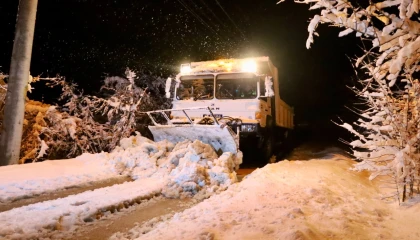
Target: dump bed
[(284, 114)]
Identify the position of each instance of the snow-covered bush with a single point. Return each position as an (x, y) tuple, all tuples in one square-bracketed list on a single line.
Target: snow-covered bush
[(86, 123), (155, 98), (93, 124), (388, 130), (69, 136), (32, 124), (41, 128)]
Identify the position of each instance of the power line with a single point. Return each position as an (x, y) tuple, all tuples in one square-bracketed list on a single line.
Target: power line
[(222, 26), (197, 16), (205, 16), (208, 17), (215, 16), (243, 35)]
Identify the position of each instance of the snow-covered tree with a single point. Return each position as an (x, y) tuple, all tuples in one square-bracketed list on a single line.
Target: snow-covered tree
[(388, 130)]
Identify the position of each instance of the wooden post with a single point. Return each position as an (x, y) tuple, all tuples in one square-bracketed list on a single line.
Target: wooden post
[(11, 135)]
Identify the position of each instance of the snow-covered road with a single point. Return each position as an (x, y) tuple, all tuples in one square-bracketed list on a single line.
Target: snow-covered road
[(185, 169), (319, 198), (314, 199), (24, 181), (64, 213)]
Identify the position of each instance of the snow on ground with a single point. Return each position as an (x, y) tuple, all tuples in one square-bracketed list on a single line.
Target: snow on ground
[(179, 170), (18, 181), (137, 157), (66, 213), (316, 199), (190, 167)]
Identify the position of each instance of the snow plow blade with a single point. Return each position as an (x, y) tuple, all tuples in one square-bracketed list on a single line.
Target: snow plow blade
[(220, 138)]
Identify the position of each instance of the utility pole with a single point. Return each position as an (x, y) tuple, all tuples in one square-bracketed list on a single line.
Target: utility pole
[(11, 135)]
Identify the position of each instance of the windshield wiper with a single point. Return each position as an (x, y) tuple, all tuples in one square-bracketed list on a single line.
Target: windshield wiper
[(230, 94), (224, 89), (199, 96)]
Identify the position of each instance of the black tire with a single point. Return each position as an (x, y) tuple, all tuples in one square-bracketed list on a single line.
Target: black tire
[(268, 144), (287, 144), (268, 149)]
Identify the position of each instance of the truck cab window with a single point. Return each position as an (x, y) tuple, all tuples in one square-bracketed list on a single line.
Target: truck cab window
[(236, 88), (262, 87), (196, 87)]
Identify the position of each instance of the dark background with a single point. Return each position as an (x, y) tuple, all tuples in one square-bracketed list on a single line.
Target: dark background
[(86, 40)]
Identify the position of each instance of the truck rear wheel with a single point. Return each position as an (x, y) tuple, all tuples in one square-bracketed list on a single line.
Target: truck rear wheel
[(268, 144), (268, 149)]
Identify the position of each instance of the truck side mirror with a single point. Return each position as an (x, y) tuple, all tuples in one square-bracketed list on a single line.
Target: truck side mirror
[(168, 87), (269, 86)]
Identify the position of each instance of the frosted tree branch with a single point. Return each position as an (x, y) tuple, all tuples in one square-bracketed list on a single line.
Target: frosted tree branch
[(391, 122)]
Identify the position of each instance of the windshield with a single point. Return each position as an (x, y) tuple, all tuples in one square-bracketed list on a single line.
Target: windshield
[(196, 87), (236, 88)]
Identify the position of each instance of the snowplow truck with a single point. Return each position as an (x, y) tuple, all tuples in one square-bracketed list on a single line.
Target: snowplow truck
[(226, 103)]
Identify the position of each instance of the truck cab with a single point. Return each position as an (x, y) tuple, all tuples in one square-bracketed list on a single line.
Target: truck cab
[(240, 93)]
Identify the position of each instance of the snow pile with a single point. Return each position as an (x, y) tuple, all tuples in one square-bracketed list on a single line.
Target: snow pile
[(137, 157), (198, 167), (220, 138), (182, 170), (187, 166), (317, 199), (224, 65)]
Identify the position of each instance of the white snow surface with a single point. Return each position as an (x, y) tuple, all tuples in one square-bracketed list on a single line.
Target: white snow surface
[(316, 199), (182, 170), (137, 157), (30, 221), (18, 181), (220, 138)]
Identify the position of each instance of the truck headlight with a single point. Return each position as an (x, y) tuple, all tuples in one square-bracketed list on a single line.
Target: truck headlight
[(185, 68), (248, 127), (249, 66)]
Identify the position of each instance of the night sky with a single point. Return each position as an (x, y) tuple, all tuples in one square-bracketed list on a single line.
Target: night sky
[(85, 40)]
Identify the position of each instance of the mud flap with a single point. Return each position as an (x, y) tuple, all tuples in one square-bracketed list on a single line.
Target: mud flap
[(221, 138)]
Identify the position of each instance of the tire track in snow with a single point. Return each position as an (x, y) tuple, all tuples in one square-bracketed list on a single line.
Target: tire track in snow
[(41, 218), (72, 190), (150, 210)]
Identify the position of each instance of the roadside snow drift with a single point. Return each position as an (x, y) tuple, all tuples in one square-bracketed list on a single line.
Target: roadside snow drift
[(183, 170), (29, 222), (19, 181), (188, 167), (316, 199)]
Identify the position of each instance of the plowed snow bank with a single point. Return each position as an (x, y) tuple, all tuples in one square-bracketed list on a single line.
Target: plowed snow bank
[(31, 221), (180, 170), (188, 166), (317, 199), (18, 181)]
